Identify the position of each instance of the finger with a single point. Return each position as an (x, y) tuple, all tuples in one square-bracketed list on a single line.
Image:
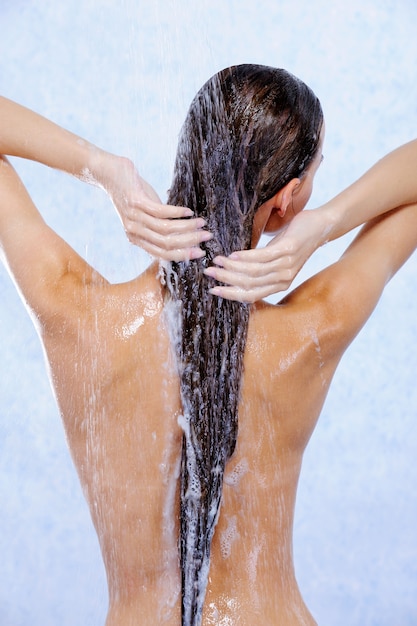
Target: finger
[(235, 279), (254, 261), (165, 223), (248, 296), (266, 254), (167, 242), (161, 211), (136, 220), (174, 226), (247, 274), (176, 254), (272, 281)]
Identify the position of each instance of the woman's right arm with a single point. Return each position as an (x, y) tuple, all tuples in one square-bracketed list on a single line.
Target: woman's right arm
[(389, 184)]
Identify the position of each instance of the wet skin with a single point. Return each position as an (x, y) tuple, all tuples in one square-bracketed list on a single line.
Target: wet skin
[(114, 378), (123, 433), (115, 381)]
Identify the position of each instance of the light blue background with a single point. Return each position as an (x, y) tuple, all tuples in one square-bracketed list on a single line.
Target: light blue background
[(122, 75)]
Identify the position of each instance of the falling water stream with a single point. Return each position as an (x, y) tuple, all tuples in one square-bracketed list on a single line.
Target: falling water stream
[(54, 67)]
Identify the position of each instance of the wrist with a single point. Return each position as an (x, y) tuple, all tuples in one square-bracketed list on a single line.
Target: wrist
[(326, 223), (98, 166), (333, 220)]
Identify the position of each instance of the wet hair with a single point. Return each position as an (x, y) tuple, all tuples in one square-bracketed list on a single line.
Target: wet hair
[(249, 131)]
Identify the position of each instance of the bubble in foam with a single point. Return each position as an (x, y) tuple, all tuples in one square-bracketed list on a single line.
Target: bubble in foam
[(228, 537), (233, 478)]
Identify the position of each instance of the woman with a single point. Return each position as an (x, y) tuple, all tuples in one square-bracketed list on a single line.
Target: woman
[(107, 345), (251, 141)]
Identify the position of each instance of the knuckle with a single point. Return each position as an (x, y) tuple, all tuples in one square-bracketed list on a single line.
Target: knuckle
[(288, 275), (129, 225), (131, 213), (165, 227), (287, 260), (169, 227), (290, 247)]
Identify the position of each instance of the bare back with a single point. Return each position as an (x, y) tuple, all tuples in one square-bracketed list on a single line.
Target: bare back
[(118, 393)]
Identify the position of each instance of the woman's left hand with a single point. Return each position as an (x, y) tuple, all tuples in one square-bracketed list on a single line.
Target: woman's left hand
[(164, 231)]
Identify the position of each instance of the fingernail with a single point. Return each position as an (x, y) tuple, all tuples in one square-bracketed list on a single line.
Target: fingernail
[(188, 213), (206, 236), (210, 271), (215, 291), (197, 253)]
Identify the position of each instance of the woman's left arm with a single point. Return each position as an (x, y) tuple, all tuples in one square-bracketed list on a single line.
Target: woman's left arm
[(164, 231)]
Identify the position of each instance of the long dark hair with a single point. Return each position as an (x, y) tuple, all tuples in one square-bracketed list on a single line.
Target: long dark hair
[(249, 131)]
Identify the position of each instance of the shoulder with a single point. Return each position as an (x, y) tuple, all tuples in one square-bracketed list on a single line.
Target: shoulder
[(345, 294), (84, 303), (331, 306), (339, 300), (45, 268)]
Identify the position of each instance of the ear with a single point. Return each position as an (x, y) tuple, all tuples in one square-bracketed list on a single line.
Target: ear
[(284, 196)]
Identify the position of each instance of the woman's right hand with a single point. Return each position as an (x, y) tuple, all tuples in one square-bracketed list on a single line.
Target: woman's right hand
[(251, 275), (164, 231)]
